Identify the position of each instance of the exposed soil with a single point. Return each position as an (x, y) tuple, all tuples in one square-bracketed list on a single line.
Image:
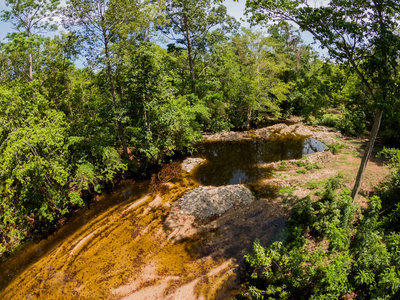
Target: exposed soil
[(149, 247)]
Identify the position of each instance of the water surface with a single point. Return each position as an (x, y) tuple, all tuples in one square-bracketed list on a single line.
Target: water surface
[(106, 246), (242, 161)]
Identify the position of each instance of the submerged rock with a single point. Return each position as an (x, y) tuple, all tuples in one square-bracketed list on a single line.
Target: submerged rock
[(190, 163), (205, 202)]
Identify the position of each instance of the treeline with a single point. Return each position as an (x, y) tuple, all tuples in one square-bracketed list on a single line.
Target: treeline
[(66, 131)]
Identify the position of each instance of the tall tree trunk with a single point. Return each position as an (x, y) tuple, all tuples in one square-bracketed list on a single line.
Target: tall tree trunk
[(190, 55), (114, 97), (367, 153), (146, 113), (30, 75), (30, 67)]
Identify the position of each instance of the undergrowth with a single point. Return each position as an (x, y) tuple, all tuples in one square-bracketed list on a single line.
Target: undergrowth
[(333, 251)]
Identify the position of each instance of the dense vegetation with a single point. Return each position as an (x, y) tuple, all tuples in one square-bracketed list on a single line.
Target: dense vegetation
[(159, 73), (333, 250)]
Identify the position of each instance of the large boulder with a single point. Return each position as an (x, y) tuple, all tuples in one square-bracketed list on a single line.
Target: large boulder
[(205, 202)]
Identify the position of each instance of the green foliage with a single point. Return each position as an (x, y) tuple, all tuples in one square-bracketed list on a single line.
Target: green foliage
[(330, 120), (340, 255), (34, 161), (393, 157), (196, 25), (287, 190), (335, 147), (311, 166), (351, 122), (301, 171), (250, 71)]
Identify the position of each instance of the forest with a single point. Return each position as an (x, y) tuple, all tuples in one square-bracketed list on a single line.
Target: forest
[(95, 91)]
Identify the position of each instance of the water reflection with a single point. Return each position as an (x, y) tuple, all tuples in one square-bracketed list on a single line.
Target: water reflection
[(238, 161)]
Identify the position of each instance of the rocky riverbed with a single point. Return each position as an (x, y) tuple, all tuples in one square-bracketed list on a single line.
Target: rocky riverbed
[(182, 241)]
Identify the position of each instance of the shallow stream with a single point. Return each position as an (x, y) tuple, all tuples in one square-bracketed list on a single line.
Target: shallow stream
[(119, 247)]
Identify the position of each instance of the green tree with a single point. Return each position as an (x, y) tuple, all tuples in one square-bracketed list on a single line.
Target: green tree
[(190, 23), (34, 163), (361, 34), (251, 74), (102, 24), (30, 18), (161, 121)]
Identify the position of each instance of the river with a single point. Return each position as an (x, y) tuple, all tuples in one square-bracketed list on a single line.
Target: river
[(120, 247)]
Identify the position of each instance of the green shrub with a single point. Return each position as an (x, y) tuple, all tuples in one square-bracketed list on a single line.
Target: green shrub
[(330, 120), (335, 147), (340, 255), (311, 166), (353, 122)]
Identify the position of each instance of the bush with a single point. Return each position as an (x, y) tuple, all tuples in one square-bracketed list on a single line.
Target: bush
[(353, 122), (330, 120), (340, 255), (335, 147)]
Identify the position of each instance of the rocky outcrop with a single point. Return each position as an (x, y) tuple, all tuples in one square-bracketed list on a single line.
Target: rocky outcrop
[(205, 202), (277, 130), (227, 136), (283, 130)]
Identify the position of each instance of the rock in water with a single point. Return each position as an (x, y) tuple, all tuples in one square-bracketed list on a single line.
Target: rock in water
[(190, 163), (205, 202)]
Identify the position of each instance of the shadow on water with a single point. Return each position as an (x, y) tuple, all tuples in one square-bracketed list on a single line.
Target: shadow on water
[(241, 161)]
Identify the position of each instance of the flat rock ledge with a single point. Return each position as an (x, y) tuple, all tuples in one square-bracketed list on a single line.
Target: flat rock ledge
[(278, 130), (283, 130), (205, 202), (318, 157), (190, 163)]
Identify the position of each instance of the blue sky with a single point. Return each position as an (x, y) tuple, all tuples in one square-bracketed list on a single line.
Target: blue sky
[(4, 27), (235, 9)]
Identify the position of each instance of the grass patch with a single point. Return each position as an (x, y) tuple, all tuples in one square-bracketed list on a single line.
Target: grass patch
[(336, 147), (301, 171), (313, 184), (287, 190), (282, 164), (311, 166)]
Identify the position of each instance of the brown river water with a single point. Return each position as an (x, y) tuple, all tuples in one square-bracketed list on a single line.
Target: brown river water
[(120, 247)]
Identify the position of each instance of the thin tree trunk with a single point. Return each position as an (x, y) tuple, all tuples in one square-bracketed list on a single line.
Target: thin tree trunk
[(367, 153), (146, 113), (114, 97), (190, 56), (247, 123), (30, 67), (30, 75)]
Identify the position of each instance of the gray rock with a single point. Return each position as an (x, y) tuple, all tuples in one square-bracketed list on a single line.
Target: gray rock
[(205, 202), (190, 163)]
